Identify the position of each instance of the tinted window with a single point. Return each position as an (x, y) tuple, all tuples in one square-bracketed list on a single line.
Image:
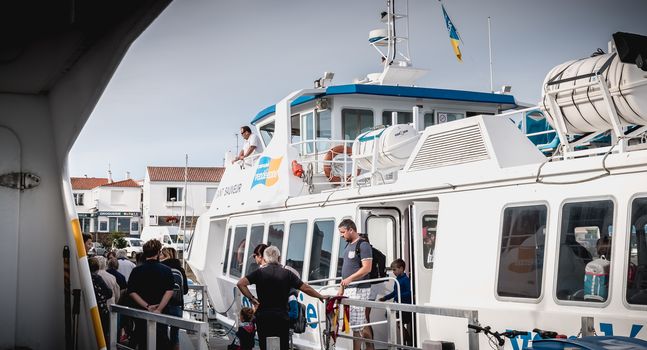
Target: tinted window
[(428, 119), (275, 235), (444, 117), (238, 251), (255, 238), (267, 132), (584, 226), (637, 272), (321, 252), (355, 122), (228, 242), (521, 258), (429, 223), (296, 246), (403, 117)]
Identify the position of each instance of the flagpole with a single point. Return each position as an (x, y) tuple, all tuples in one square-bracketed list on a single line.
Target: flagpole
[(186, 179), (489, 42)]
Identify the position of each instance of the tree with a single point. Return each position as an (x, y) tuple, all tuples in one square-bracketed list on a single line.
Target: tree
[(117, 239)]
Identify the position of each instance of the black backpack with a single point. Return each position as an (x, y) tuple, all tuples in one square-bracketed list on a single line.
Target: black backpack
[(300, 324), (378, 268), (178, 288)]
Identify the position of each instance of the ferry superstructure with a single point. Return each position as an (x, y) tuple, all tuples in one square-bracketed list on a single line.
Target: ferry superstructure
[(484, 218)]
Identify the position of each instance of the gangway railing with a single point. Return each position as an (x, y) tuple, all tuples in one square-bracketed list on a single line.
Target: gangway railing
[(391, 322), (152, 319)]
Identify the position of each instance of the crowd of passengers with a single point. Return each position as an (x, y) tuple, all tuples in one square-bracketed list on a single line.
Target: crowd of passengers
[(150, 284)]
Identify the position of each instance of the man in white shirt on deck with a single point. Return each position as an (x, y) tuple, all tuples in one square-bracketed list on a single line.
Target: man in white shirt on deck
[(252, 143)]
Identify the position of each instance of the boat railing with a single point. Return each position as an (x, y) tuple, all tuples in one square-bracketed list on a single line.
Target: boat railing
[(152, 319), (248, 162), (392, 320), (326, 162)]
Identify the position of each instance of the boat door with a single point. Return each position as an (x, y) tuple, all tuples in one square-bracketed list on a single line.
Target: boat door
[(383, 226), (9, 219), (423, 221)]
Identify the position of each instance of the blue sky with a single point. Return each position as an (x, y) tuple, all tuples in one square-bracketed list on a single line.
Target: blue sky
[(206, 67)]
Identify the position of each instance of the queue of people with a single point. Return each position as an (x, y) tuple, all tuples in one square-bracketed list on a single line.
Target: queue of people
[(152, 285)]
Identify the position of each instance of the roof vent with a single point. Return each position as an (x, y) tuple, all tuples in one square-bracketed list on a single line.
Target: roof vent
[(457, 146)]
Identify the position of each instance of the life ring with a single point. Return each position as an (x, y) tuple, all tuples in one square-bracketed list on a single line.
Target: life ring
[(330, 155)]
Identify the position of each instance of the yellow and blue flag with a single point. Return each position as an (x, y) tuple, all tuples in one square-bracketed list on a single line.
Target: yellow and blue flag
[(453, 35)]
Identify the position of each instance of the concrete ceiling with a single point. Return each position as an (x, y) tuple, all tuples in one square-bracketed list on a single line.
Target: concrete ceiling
[(42, 40)]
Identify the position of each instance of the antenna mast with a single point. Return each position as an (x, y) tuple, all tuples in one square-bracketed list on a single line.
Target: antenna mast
[(392, 43)]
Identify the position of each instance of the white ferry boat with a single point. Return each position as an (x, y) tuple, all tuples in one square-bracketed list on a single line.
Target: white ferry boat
[(487, 216)]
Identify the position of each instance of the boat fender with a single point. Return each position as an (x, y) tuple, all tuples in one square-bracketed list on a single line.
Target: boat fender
[(596, 279), (297, 169)]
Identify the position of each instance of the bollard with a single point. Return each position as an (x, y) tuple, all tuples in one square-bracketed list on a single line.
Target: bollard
[(273, 343)]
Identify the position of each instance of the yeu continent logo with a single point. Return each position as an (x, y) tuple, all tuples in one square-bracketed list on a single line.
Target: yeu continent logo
[(267, 172)]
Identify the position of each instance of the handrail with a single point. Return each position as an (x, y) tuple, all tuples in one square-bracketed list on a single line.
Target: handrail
[(470, 315), (380, 279), (202, 328)]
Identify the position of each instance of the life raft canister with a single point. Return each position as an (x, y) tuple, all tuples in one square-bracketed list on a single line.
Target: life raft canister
[(596, 279)]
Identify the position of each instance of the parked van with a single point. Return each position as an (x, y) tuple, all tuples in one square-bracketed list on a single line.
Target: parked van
[(133, 246), (168, 235)]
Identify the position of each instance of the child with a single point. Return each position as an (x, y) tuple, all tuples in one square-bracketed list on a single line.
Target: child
[(398, 266), (246, 331)]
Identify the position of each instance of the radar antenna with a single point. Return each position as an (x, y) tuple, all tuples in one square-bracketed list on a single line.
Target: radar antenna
[(392, 43)]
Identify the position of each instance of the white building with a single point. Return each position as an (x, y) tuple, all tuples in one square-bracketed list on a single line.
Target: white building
[(164, 194), (104, 206)]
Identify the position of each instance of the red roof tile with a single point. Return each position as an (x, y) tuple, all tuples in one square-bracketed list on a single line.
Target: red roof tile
[(195, 174), (87, 183), (123, 183)]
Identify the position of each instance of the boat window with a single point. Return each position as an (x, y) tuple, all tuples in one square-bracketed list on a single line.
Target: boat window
[(322, 235), (275, 235), (296, 246), (583, 273), (473, 114), (308, 132), (238, 251), (295, 125), (428, 119), (355, 122), (324, 130), (444, 117), (403, 117), (228, 243), (521, 258), (637, 271), (429, 224), (267, 132), (255, 238)]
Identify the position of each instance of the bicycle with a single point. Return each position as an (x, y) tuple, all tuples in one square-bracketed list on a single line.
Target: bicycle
[(496, 339)]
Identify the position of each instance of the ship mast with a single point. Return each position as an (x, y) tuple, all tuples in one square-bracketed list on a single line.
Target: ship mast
[(392, 43)]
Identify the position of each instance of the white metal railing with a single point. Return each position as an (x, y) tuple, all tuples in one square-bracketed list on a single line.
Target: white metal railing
[(379, 280), (312, 154), (391, 309), (152, 319)]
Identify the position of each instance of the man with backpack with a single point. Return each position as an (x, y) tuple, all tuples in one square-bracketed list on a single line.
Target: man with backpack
[(356, 266), (378, 270)]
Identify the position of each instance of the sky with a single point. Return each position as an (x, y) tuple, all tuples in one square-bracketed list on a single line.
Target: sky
[(205, 67)]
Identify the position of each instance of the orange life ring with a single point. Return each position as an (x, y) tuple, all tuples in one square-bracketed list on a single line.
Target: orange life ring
[(327, 166)]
